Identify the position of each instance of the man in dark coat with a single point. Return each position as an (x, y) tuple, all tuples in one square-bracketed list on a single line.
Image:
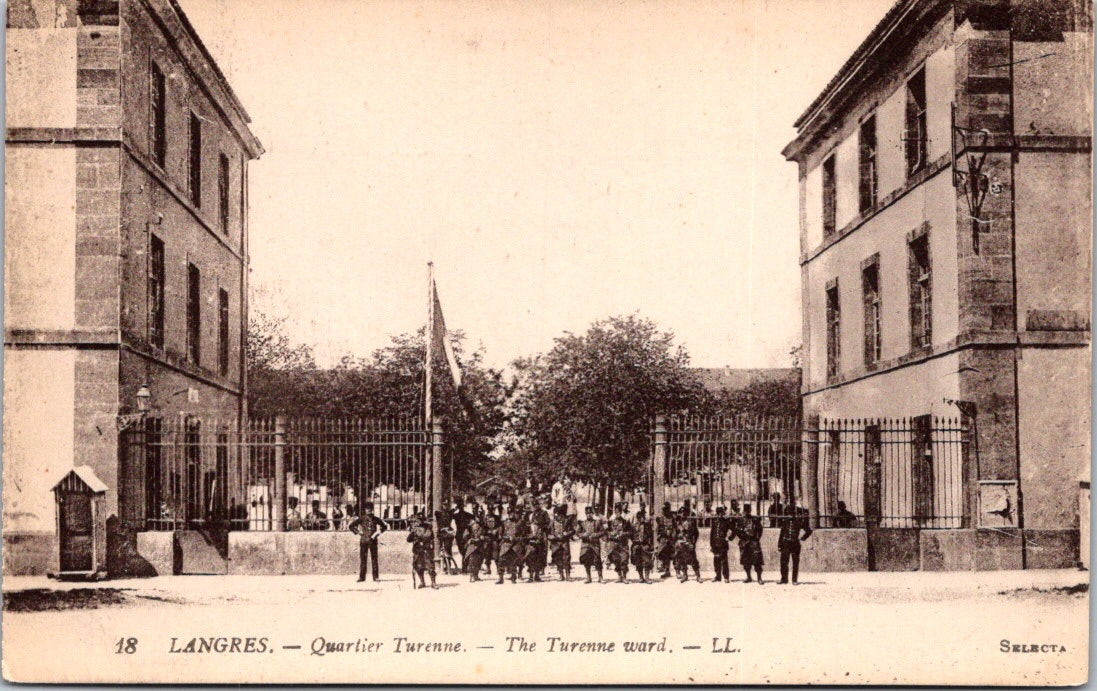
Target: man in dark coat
[(421, 537), (788, 542), (664, 540), (749, 533), (776, 510), (685, 545), (590, 533), (718, 536), (643, 544), (560, 534), (536, 547), (461, 520), (477, 545), (618, 532), (493, 528), (512, 542), (368, 528)]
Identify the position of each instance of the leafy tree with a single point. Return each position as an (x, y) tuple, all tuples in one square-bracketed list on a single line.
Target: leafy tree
[(388, 384), (762, 398), (586, 406)]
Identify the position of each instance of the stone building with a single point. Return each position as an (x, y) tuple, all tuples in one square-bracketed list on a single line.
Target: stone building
[(945, 253), (126, 246)]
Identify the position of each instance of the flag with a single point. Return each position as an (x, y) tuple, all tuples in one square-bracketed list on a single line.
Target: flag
[(437, 340), (441, 339)]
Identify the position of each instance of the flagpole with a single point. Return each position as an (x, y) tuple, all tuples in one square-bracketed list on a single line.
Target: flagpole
[(428, 364)]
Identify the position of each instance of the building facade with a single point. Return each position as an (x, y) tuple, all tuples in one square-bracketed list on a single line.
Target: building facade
[(126, 247), (945, 238)]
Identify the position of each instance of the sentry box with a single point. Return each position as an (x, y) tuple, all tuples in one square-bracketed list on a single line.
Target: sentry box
[(81, 525)]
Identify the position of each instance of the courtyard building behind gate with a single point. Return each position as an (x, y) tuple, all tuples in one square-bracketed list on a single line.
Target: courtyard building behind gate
[(126, 250), (945, 209)]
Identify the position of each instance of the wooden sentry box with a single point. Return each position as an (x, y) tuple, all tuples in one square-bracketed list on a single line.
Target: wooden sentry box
[(81, 525)]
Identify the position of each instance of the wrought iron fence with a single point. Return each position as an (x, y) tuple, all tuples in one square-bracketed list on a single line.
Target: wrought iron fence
[(888, 473), (717, 461), (292, 474), (893, 473)]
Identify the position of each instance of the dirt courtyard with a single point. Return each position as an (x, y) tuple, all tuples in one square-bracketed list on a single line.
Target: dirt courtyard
[(1013, 627)]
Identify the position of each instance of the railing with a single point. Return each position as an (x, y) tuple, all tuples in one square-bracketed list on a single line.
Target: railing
[(892, 473), (885, 473), (718, 461), (284, 474)]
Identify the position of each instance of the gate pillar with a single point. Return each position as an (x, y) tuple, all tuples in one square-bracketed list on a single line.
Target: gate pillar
[(659, 465)]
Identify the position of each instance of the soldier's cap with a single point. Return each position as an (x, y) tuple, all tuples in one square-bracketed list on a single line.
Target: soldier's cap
[(721, 510), (590, 509)]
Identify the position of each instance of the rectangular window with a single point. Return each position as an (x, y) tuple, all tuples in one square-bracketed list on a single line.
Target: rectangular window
[(194, 314), (223, 332), (921, 313), (158, 115), (223, 193), (915, 135), (156, 291), (195, 160), (870, 292), (867, 164), (830, 193), (833, 331)]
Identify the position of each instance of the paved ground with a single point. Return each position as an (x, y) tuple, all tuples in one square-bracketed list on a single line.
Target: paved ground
[(832, 628)]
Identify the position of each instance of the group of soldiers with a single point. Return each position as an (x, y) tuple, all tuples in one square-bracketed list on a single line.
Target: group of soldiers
[(525, 539)]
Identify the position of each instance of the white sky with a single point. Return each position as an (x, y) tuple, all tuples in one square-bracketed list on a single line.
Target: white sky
[(559, 161)]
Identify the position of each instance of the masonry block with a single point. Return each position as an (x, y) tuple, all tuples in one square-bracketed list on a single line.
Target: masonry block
[(997, 549), (894, 549), (947, 550), (257, 553), (29, 554), (1051, 549), (158, 550)]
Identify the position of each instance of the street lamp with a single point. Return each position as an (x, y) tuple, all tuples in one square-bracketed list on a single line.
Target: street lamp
[(143, 397)]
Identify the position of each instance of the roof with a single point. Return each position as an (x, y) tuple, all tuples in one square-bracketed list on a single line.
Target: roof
[(900, 17), (254, 146), (734, 379), (81, 475)]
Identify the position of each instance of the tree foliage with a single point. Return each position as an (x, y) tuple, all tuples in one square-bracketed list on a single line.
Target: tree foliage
[(586, 406), (284, 380)]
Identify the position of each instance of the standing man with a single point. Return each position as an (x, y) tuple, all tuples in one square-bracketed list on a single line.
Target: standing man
[(664, 540), (685, 545), (618, 532), (788, 542), (591, 532), (477, 545), (718, 543), (749, 532), (560, 534), (368, 528), (643, 544), (461, 520), (421, 537), (537, 549), (511, 543), (493, 528)]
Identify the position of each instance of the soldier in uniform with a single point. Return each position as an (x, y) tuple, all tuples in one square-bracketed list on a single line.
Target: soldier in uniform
[(421, 537), (445, 541), (749, 532), (560, 534), (493, 528), (461, 519), (788, 542), (512, 545), (618, 532), (368, 528), (664, 540), (477, 545), (537, 547), (643, 544), (685, 546), (590, 532), (719, 533)]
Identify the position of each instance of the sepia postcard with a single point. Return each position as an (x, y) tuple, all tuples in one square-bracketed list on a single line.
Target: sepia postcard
[(662, 342)]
